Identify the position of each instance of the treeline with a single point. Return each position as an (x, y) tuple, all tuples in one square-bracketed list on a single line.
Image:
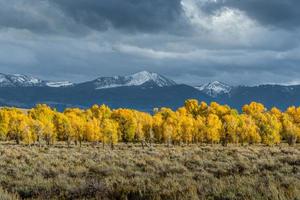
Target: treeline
[(193, 123)]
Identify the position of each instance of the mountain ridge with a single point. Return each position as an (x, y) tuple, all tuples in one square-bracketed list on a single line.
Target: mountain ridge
[(21, 80), (213, 88), (142, 90), (136, 79)]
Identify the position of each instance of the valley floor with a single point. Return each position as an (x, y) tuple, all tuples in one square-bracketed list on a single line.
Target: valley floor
[(158, 172)]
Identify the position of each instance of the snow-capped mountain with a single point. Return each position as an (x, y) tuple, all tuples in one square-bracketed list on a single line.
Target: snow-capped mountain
[(59, 84), (142, 78), (144, 91), (20, 80), (215, 88)]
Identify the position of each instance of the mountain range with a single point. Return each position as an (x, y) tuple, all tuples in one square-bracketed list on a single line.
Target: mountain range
[(143, 90)]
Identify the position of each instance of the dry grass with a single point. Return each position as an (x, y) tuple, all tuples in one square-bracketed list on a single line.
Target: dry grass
[(130, 172)]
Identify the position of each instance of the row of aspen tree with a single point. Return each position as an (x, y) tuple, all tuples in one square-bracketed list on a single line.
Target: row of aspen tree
[(193, 123)]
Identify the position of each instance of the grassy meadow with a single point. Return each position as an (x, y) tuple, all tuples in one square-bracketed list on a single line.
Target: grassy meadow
[(158, 172)]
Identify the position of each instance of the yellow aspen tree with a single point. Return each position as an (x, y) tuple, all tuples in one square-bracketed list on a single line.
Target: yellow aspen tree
[(270, 129), (269, 126), (229, 129), (248, 132), (100, 112), (167, 132), (96, 116), (170, 126), (294, 114), (291, 131), (179, 118), (218, 109), (276, 112), (203, 109), (19, 128), (214, 126), (41, 111), (199, 129), (63, 128), (144, 127), (139, 134), (109, 132), (77, 122), (37, 128), (14, 127), (175, 120), (44, 114), (192, 107), (187, 128), (127, 124), (4, 123), (92, 130), (253, 108), (49, 135), (28, 135), (148, 128), (157, 127)]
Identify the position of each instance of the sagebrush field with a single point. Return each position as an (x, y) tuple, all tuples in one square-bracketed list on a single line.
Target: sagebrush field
[(157, 172)]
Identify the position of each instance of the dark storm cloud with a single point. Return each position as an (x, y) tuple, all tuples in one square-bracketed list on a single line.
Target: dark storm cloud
[(15, 15), (76, 16), (60, 16), (37, 16), (141, 15), (279, 13)]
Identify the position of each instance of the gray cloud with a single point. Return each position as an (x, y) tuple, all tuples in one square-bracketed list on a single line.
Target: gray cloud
[(279, 13), (38, 16), (69, 16), (133, 15), (191, 41)]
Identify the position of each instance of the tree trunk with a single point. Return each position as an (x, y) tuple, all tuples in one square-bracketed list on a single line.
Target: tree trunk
[(112, 146), (292, 140), (224, 143), (17, 140)]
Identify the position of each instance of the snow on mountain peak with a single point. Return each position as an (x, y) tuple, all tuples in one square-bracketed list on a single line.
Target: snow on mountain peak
[(59, 84), (20, 80), (137, 79), (144, 76), (141, 77), (215, 88)]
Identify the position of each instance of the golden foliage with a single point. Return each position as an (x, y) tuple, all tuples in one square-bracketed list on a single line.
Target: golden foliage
[(193, 123)]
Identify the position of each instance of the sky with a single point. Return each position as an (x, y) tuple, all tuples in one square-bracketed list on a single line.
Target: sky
[(237, 42)]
